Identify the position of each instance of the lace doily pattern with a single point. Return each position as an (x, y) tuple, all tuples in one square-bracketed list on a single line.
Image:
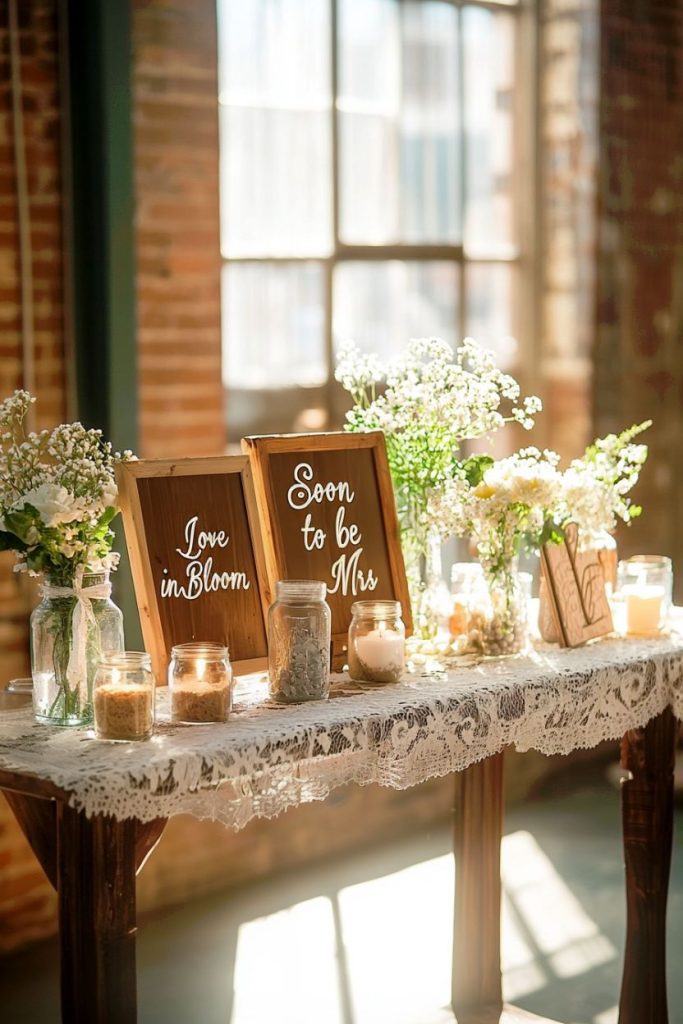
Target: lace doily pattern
[(269, 758)]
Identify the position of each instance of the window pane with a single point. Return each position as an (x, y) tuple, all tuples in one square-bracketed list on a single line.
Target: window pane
[(489, 76), (398, 121), (382, 305), (490, 314), (276, 173), (273, 325)]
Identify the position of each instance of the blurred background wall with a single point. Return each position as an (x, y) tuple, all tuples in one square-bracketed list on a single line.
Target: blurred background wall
[(196, 231)]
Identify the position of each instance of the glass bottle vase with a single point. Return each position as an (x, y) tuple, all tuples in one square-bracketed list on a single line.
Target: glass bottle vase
[(69, 635)]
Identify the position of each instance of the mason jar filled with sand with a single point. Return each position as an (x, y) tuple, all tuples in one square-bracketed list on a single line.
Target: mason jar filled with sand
[(200, 681), (124, 696)]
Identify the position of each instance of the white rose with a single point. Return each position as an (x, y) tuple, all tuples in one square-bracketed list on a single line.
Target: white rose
[(54, 504)]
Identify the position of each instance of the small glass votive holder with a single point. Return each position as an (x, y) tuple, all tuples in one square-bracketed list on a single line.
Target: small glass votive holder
[(644, 592), (377, 642), (466, 579), (123, 692), (200, 683)]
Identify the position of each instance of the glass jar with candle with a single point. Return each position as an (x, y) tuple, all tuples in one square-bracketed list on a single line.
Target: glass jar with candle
[(200, 682), (466, 578), (124, 696), (299, 637), (377, 641), (643, 599)]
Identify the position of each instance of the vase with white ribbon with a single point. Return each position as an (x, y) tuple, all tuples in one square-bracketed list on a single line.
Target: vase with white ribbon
[(73, 626)]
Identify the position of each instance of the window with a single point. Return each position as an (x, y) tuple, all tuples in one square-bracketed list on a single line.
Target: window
[(368, 151)]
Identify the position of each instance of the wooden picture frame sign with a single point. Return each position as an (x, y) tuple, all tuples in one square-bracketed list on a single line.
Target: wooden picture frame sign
[(328, 513), (575, 583), (193, 537)]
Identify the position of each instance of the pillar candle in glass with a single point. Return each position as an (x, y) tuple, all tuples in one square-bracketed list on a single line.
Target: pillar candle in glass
[(377, 642), (124, 696), (645, 584), (200, 681)]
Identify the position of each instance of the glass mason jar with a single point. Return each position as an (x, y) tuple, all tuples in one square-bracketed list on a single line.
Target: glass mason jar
[(466, 580), (68, 638), (299, 637), (200, 681), (499, 615), (644, 592), (124, 697), (377, 642)]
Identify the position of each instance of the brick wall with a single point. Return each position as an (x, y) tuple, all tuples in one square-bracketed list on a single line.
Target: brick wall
[(27, 902), (178, 248), (639, 351), (568, 130), (176, 139)]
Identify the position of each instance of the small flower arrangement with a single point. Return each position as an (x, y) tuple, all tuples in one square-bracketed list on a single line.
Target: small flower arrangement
[(526, 501), (428, 401), (501, 504), (58, 495), (595, 488)]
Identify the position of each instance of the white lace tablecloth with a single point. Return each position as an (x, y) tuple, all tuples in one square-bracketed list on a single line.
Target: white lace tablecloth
[(268, 758)]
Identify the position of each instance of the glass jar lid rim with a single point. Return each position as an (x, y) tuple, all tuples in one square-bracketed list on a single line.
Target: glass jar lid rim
[(376, 608), (302, 588), (208, 649), (125, 658), (658, 560)]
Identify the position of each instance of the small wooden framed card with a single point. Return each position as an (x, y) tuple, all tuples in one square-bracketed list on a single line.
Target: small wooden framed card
[(575, 583), (327, 510), (193, 537)]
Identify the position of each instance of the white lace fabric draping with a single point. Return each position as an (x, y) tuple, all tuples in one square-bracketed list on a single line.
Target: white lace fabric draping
[(269, 758)]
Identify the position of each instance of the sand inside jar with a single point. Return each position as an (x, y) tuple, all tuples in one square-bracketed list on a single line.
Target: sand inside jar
[(362, 673), (200, 703), (123, 712)]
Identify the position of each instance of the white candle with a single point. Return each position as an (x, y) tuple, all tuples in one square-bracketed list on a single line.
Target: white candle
[(643, 608), (381, 650)]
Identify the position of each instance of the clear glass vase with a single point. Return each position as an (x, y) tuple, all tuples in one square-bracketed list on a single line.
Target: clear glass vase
[(500, 614), (69, 635)]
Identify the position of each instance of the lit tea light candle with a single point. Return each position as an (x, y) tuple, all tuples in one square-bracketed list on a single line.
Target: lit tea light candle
[(376, 646)]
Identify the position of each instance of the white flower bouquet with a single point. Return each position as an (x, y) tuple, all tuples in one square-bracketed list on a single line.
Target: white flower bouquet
[(58, 497), (428, 401)]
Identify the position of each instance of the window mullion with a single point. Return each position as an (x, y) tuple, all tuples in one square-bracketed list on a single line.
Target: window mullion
[(330, 262), (462, 198)]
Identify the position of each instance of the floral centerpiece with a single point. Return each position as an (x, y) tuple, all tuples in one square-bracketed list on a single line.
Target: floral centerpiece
[(526, 501), (58, 497), (428, 402), (501, 506)]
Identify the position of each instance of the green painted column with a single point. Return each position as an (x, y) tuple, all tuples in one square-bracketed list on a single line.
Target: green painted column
[(98, 162)]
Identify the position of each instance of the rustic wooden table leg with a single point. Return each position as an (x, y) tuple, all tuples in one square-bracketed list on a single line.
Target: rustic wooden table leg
[(647, 816), (96, 862), (476, 941)]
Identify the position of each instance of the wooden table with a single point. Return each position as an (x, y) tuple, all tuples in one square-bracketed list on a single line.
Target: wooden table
[(92, 863)]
